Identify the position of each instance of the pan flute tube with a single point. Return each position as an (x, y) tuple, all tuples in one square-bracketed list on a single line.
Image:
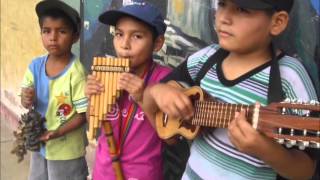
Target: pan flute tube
[(91, 133), (102, 95), (114, 82), (97, 99), (106, 87), (110, 87), (118, 76)]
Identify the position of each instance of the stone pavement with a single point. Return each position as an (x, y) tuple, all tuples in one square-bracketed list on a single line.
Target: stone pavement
[(10, 168)]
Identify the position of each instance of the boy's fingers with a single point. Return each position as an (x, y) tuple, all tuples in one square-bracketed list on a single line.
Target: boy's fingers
[(28, 90), (92, 77), (184, 107)]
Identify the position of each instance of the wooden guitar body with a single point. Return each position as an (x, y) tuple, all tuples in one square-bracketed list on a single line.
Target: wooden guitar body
[(168, 128)]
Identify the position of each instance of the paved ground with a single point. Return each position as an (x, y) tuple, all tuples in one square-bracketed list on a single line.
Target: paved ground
[(10, 168)]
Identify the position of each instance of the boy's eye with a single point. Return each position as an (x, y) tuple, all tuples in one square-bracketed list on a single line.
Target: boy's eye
[(137, 36), (243, 10), (44, 31), (63, 31), (221, 4), (117, 34)]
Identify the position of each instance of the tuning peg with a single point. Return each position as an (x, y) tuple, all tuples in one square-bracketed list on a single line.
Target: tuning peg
[(290, 143), (307, 113), (287, 100), (314, 145), (314, 102), (280, 141), (303, 144)]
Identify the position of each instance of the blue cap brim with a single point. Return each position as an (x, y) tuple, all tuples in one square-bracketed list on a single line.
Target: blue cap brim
[(111, 17)]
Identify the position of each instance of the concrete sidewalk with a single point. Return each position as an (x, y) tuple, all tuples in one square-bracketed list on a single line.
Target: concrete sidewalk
[(10, 168)]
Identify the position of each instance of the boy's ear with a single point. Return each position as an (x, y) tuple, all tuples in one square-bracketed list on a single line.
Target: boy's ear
[(158, 43), (280, 22)]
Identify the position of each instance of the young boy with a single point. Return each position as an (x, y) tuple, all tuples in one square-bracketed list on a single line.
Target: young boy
[(54, 85), (240, 75), (139, 31)]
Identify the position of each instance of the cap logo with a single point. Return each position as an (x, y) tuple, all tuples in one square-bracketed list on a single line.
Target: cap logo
[(132, 2)]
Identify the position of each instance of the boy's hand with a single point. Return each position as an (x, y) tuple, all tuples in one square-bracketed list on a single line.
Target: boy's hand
[(48, 135), (27, 97), (172, 101), (133, 84), (244, 137), (93, 86)]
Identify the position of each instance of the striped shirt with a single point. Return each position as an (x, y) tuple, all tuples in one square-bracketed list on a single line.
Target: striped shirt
[(213, 156)]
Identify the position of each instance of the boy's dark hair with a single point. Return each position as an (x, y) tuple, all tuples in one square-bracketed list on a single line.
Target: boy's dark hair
[(58, 9)]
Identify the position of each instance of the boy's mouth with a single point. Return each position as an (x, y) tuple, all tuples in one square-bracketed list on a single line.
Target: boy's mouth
[(53, 46), (126, 57), (223, 33)]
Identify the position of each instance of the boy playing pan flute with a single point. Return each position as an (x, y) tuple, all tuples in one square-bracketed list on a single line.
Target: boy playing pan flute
[(139, 31)]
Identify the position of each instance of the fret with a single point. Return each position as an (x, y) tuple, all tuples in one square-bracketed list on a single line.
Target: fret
[(225, 115), (221, 115), (213, 114), (230, 114), (202, 113), (194, 119), (218, 112), (205, 113), (208, 114), (199, 113)]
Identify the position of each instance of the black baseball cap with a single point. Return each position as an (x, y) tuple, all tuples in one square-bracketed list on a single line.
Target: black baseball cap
[(277, 5), (141, 10), (43, 6)]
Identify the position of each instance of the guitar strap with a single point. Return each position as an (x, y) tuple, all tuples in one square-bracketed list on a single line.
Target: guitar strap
[(275, 91)]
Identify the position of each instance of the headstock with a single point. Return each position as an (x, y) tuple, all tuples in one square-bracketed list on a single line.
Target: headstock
[(292, 123)]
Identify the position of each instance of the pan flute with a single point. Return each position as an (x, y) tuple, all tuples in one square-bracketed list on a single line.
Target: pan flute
[(107, 70)]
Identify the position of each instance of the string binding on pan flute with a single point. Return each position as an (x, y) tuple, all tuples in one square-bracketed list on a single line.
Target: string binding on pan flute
[(107, 70)]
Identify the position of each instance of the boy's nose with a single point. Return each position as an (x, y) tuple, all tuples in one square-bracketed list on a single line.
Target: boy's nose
[(125, 43), (224, 16), (53, 36)]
